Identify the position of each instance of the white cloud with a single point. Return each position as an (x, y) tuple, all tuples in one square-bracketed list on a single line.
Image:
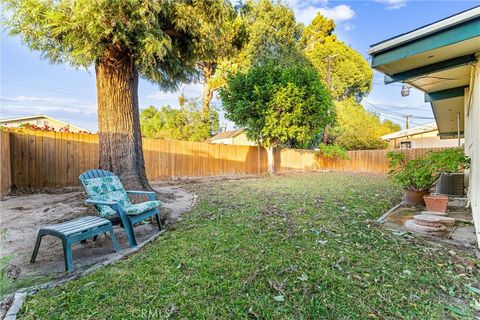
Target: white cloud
[(339, 13), (80, 113), (306, 15), (171, 98), (305, 11), (393, 4), (348, 26)]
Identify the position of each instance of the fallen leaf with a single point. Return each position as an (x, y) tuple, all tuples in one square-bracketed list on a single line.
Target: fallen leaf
[(457, 311), (303, 277), (473, 289)]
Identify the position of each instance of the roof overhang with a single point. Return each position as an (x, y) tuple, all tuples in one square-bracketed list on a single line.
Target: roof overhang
[(428, 127), (435, 59)]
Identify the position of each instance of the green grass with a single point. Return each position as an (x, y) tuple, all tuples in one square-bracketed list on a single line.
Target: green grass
[(294, 247), (9, 285)]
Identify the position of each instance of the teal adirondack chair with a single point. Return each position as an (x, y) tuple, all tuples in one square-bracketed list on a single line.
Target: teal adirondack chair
[(107, 194)]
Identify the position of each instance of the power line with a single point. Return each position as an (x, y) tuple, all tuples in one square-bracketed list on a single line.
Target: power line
[(395, 112), (42, 87), (393, 117)]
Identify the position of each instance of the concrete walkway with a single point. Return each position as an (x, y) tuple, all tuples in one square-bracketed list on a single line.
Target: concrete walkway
[(22, 216)]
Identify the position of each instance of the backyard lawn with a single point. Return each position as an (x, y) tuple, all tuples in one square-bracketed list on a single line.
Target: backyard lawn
[(289, 247)]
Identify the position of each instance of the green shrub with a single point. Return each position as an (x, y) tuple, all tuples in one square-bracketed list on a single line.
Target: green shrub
[(422, 173), (449, 161), (415, 174), (332, 151)]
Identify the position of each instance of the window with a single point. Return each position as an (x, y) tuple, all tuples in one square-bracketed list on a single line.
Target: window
[(405, 145)]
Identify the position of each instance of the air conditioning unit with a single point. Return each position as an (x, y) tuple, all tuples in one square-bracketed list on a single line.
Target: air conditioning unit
[(451, 184)]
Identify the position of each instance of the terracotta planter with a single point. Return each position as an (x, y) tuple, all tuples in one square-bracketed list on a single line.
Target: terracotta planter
[(415, 198), (436, 203)]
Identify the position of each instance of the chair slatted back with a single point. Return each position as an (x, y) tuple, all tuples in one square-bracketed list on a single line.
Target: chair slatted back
[(95, 173)]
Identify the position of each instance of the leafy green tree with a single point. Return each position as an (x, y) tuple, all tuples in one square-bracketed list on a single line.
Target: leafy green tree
[(225, 36), (350, 74), (358, 129), (269, 30), (278, 103), (156, 40), (190, 122)]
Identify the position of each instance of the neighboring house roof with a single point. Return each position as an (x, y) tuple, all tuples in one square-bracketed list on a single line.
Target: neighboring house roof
[(40, 116), (227, 134), (428, 127)]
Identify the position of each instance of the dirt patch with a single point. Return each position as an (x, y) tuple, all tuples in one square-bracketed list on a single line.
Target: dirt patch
[(22, 216)]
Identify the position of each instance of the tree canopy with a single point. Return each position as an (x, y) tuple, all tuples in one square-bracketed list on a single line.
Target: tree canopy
[(350, 75), (190, 122), (223, 37), (163, 37), (278, 103), (269, 30), (358, 129)]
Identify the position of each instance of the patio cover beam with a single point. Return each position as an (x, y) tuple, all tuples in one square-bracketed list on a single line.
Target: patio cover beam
[(431, 68), (445, 94), (467, 30)]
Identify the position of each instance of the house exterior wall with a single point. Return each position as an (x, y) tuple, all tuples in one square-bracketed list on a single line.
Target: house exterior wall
[(56, 125), (223, 141), (425, 140), (472, 143), (242, 140)]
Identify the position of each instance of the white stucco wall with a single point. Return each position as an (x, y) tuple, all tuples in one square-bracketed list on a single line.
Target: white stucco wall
[(472, 143), (223, 141)]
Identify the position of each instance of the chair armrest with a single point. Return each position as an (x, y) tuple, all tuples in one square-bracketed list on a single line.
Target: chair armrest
[(102, 202), (150, 194), (114, 205)]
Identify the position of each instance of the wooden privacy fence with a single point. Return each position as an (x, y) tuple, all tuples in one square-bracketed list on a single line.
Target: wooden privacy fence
[(42, 159), (39, 159)]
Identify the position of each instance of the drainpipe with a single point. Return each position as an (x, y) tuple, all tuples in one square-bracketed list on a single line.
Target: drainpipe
[(458, 128)]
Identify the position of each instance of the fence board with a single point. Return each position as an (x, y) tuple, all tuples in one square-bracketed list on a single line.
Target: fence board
[(5, 159)]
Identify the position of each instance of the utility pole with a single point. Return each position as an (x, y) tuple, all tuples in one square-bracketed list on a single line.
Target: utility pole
[(329, 62), (407, 122)]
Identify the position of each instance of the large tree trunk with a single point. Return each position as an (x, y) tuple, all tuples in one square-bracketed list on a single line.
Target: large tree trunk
[(208, 70), (120, 138), (271, 160)]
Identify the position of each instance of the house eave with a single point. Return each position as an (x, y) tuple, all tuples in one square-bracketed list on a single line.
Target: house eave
[(424, 31)]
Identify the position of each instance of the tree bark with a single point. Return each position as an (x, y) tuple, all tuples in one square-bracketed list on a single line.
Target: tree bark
[(120, 140), (271, 160), (208, 70)]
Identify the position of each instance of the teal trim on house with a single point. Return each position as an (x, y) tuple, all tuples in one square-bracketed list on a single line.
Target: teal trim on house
[(451, 134), (431, 68), (445, 94), (461, 32)]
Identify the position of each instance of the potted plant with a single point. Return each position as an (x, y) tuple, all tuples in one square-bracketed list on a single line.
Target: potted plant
[(415, 176), (445, 163)]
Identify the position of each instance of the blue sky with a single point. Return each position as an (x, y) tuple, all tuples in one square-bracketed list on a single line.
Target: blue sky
[(30, 85)]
